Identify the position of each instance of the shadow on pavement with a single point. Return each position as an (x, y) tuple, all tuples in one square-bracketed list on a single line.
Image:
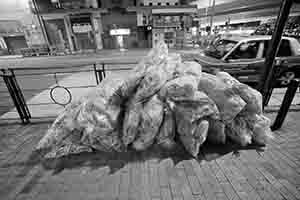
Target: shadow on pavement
[(116, 160)]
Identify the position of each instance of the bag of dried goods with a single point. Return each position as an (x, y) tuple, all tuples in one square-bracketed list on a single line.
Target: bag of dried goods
[(92, 112), (239, 131), (180, 88), (196, 107), (252, 97), (166, 135), (260, 126), (189, 115), (151, 119), (194, 135), (61, 128), (156, 56), (216, 132), (189, 68), (152, 82), (228, 103), (131, 123)]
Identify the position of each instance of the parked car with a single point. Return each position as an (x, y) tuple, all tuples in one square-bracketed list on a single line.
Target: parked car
[(244, 56)]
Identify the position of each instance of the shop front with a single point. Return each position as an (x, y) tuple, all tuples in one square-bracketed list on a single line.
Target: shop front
[(83, 36), (118, 20), (171, 25), (15, 43), (74, 32)]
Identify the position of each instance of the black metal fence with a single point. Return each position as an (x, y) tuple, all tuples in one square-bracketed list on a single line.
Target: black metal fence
[(20, 84)]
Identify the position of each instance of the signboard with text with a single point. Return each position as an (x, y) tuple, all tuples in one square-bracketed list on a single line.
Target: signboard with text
[(121, 31)]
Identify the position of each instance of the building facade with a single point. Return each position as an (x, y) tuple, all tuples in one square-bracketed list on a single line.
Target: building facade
[(12, 37), (89, 25)]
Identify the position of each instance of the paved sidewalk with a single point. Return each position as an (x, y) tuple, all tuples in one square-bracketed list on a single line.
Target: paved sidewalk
[(225, 172)]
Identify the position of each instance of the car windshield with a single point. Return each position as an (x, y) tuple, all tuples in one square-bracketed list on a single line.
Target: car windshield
[(220, 48)]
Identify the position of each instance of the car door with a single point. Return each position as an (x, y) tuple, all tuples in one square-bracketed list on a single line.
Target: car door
[(285, 58), (244, 61)]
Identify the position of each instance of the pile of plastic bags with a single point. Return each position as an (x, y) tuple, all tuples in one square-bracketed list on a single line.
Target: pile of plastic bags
[(162, 98)]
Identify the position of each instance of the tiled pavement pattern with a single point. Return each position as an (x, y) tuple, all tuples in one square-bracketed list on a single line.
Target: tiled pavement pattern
[(219, 173)]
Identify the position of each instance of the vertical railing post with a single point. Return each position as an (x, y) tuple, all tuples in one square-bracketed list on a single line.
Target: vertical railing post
[(12, 94), (103, 70), (96, 74), (286, 103), (21, 96), (16, 95)]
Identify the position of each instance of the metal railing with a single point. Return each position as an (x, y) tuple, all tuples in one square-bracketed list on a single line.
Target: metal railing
[(24, 83), (18, 95)]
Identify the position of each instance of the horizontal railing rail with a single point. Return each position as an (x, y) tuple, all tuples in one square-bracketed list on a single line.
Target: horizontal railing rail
[(48, 79), (18, 85)]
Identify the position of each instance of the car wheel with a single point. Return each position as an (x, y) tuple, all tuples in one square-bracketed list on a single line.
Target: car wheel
[(286, 78)]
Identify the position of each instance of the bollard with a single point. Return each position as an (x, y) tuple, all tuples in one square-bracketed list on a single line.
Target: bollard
[(286, 103)]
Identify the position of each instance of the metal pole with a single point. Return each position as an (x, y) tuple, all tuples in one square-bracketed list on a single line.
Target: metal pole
[(268, 71), (42, 25), (212, 16), (286, 103)]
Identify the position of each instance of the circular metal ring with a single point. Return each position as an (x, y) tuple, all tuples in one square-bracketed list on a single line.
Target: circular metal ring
[(57, 102)]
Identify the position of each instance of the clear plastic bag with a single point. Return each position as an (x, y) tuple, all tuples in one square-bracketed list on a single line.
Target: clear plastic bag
[(193, 135), (252, 97), (151, 120), (189, 68), (228, 103), (260, 126), (166, 135), (239, 131), (216, 132)]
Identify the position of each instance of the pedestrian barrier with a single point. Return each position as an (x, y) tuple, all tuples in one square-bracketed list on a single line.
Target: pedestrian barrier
[(49, 79)]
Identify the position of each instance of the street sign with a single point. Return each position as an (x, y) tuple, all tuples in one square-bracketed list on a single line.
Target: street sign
[(121, 31)]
